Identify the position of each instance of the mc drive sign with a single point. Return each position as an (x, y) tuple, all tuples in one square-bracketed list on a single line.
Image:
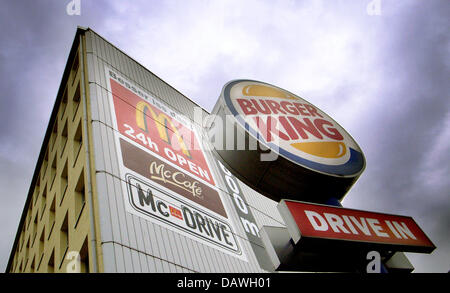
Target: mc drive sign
[(314, 221)]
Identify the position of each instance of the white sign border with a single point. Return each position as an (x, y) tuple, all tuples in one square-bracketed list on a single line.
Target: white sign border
[(123, 170)]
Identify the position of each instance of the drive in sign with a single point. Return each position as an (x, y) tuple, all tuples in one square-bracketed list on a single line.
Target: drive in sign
[(313, 221), (302, 153)]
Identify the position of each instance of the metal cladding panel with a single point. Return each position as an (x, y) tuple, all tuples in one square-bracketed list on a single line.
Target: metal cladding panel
[(133, 243), (109, 259)]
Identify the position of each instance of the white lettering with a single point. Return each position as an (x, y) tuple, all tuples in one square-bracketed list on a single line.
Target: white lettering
[(322, 226), (74, 7), (349, 224), (170, 154), (403, 230), (375, 225), (374, 266), (192, 167), (74, 265), (389, 224), (374, 8), (335, 223), (361, 226), (250, 227)]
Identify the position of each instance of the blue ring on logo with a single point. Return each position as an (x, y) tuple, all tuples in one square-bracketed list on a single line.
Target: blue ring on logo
[(353, 166)]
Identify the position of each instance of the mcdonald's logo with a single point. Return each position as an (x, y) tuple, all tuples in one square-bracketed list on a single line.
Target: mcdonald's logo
[(163, 124)]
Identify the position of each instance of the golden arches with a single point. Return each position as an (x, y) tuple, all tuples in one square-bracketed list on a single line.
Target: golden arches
[(163, 124)]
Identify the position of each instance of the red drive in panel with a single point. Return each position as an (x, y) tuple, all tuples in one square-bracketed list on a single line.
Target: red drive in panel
[(305, 220)]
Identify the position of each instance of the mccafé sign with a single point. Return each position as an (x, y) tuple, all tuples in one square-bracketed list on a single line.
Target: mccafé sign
[(165, 175), (306, 221)]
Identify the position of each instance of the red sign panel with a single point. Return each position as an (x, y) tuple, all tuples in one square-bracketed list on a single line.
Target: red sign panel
[(156, 130), (335, 223)]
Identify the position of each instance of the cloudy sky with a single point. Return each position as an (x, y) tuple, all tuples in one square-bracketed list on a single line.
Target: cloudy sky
[(382, 73)]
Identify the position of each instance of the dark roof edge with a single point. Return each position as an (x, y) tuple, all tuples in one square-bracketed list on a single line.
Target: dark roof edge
[(80, 31)]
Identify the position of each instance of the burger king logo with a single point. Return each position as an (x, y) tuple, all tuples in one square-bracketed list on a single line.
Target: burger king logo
[(293, 127)]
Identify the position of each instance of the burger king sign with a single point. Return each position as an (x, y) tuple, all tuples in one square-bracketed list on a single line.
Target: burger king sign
[(316, 158)]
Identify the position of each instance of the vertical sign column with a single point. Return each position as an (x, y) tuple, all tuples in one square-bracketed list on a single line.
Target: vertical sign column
[(246, 217)]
